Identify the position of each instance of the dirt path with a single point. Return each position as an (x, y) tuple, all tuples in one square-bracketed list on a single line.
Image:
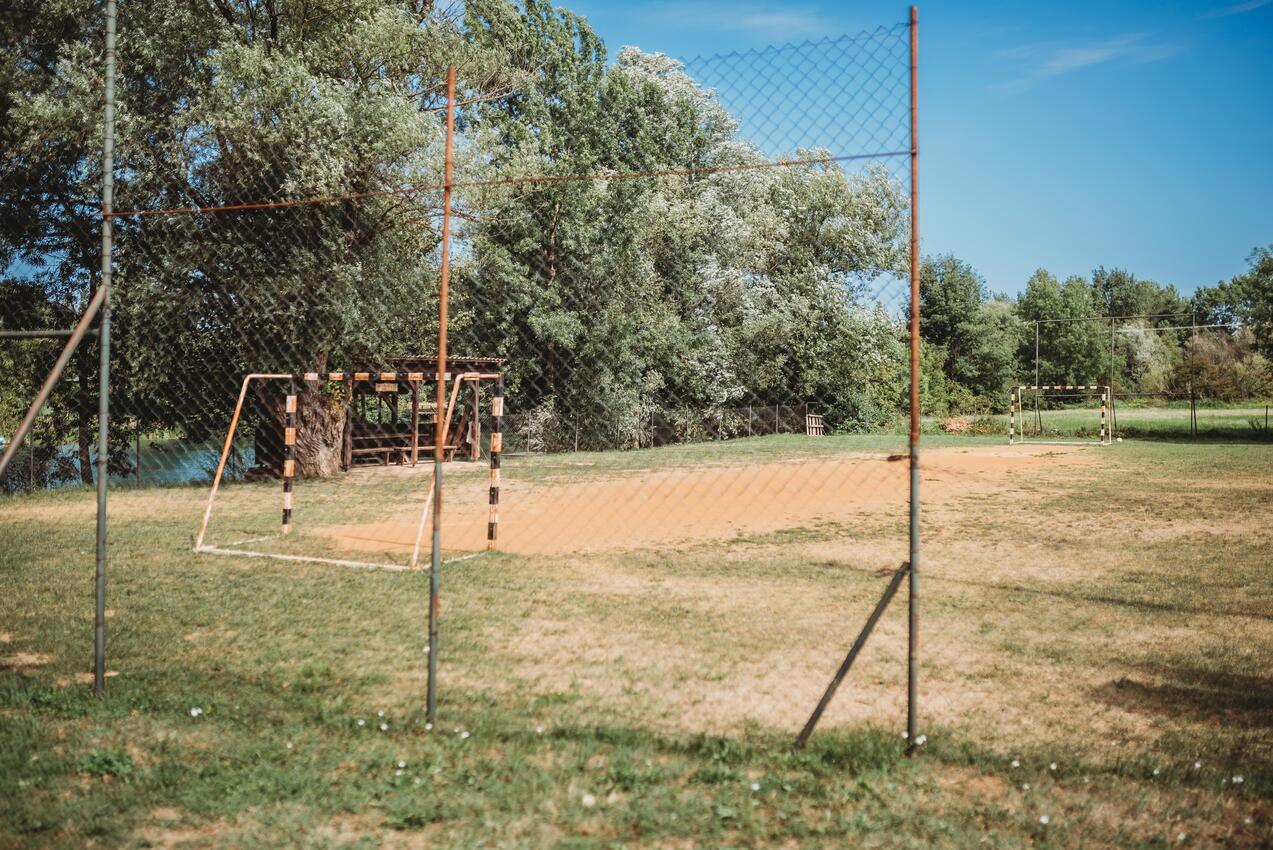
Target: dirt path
[(670, 508)]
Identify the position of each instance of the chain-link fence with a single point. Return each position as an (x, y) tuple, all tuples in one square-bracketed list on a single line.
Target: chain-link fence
[(673, 313), (649, 326)]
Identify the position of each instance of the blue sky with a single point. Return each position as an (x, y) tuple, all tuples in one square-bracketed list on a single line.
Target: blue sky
[(1054, 135)]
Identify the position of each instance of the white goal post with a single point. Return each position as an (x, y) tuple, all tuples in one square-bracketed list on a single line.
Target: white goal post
[(289, 460), (1016, 410)]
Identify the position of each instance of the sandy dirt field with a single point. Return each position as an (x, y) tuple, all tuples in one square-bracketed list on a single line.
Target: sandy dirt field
[(679, 507)]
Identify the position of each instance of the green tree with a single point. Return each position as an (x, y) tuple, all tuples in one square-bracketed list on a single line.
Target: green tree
[(976, 337), (990, 367), (231, 103), (1246, 299), (1120, 293), (1072, 347), (951, 293), (626, 297)]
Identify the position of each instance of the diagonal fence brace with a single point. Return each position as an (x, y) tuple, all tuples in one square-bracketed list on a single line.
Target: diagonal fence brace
[(894, 583)]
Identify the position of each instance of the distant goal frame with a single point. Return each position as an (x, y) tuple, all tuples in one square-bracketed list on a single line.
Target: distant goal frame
[(1016, 412)]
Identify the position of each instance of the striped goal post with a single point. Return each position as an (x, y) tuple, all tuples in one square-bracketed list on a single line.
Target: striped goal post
[(1016, 408)]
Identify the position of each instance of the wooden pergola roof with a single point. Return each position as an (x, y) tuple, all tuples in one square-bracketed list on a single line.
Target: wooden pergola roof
[(454, 363)]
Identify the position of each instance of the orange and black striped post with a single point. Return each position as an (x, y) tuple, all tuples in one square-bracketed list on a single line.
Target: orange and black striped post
[(289, 453), (1012, 416), (1104, 405), (497, 446)]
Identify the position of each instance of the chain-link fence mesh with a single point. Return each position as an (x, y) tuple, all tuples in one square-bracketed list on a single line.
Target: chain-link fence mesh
[(674, 414), (687, 279)]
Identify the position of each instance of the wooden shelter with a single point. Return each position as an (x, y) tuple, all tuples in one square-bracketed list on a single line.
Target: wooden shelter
[(388, 421)]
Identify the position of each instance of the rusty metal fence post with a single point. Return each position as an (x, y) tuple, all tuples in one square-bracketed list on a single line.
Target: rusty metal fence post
[(439, 439), (912, 659), (104, 340)]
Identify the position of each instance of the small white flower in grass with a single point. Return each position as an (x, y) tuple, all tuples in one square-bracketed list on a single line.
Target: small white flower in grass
[(1181, 836), (1197, 765), (362, 722), (1045, 820), (588, 801), (539, 730), (1052, 766), (920, 740), (755, 786), (289, 745), (397, 773), (464, 734), (401, 763), (1156, 771), (195, 711), (384, 727), (1025, 786), (1238, 780), (1016, 762), (418, 780), (428, 727), (380, 713), (906, 734)]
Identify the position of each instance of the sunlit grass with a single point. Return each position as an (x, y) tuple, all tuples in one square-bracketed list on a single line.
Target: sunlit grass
[(1113, 618)]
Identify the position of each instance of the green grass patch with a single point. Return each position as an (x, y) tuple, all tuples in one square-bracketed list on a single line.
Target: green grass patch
[(1110, 616)]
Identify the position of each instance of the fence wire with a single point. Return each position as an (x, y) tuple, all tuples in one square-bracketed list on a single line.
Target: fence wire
[(677, 312), (675, 408)]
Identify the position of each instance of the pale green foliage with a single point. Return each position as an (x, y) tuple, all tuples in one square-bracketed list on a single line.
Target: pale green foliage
[(702, 291), (615, 299), (1148, 356)]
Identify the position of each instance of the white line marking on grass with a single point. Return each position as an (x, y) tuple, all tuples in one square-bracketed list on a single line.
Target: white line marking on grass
[(365, 565)]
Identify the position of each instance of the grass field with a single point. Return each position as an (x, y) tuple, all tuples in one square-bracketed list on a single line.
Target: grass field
[(1097, 648), (1245, 423)]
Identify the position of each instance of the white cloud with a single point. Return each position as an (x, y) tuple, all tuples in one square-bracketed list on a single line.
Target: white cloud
[(755, 18), (1044, 62), (789, 23), (1240, 8)]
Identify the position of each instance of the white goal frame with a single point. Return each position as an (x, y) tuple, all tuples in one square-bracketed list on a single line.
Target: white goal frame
[(289, 465), (1016, 412)]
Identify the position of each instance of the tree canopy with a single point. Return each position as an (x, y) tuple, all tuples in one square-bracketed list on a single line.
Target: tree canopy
[(296, 151)]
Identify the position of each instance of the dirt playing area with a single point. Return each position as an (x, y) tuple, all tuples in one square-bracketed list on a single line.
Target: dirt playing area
[(678, 507)]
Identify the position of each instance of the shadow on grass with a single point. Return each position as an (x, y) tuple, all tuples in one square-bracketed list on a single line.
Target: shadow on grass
[(1095, 598), (1195, 694), (1218, 436)]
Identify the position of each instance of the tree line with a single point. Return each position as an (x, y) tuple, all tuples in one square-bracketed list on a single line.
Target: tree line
[(678, 296), (1215, 344)]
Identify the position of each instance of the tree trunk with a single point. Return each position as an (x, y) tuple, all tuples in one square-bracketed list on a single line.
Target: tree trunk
[(83, 403), (320, 432), (83, 406)]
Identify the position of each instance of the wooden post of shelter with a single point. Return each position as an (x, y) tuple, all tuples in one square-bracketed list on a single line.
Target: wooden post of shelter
[(415, 421), (475, 424)]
